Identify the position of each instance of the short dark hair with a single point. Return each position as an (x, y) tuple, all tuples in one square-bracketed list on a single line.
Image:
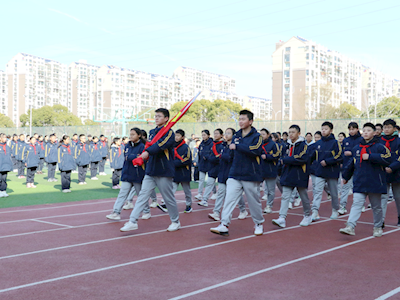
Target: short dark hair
[(101, 135), (81, 135), (75, 134), (389, 122), (379, 125), (164, 111), (285, 133), (89, 135), (308, 133), (219, 130), (397, 127), (369, 124), (318, 132), (265, 129), (342, 133), (231, 129), (327, 123), (144, 134), (297, 127), (206, 131), (247, 113), (181, 132), (353, 125), (278, 132)]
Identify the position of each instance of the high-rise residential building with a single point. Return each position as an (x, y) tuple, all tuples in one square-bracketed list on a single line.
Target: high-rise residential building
[(307, 76), (3, 92), (396, 88)]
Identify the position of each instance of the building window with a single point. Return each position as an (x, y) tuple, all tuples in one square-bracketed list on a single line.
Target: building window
[(287, 49)]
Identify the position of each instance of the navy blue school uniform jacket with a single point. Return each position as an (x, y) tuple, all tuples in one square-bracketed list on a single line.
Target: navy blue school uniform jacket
[(30, 155), (41, 146), (130, 173), (95, 155), (369, 175), (66, 160), (269, 165), (246, 163), (183, 162), (82, 155), (312, 163), (329, 150), (225, 164), (393, 144), (203, 154), (6, 164), (51, 153), (117, 157), (214, 158), (295, 167), (348, 144), (161, 159), (103, 148), (20, 148), (13, 146)]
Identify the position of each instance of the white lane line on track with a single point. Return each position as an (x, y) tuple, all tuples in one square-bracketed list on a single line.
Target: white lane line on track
[(277, 267), (51, 223), (389, 294)]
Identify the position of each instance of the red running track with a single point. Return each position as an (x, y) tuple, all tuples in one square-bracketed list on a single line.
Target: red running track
[(71, 251)]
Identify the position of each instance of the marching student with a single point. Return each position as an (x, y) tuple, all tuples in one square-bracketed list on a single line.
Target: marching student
[(244, 175), (42, 154), (183, 164), (103, 146), (213, 161), (46, 139), (349, 143), (370, 158), (30, 156), (391, 140), (269, 167), (132, 176), (379, 129), (117, 159), (66, 163), (341, 137), (160, 171), (14, 146), (295, 174), (19, 149), (125, 140), (51, 158), (75, 140), (6, 164), (285, 138), (95, 158), (204, 164), (82, 159), (89, 139), (328, 155), (195, 155), (309, 139)]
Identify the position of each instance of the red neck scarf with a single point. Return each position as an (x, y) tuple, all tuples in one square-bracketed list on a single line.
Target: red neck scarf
[(69, 150), (4, 148), (84, 147), (291, 150), (95, 146), (388, 142), (119, 151), (214, 148), (176, 148), (364, 151), (263, 146), (34, 147)]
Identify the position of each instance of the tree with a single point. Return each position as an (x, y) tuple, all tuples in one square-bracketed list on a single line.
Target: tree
[(344, 111), (6, 121), (89, 122), (387, 108), (57, 115)]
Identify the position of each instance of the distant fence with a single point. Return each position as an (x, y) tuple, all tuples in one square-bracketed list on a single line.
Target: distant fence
[(116, 129)]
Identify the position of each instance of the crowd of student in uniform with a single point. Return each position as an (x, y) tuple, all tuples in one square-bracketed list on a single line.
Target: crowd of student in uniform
[(241, 161)]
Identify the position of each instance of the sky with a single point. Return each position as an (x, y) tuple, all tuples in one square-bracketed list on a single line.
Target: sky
[(231, 37)]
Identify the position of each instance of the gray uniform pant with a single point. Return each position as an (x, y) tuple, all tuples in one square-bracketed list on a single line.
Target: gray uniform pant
[(286, 196), (346, 188), (269, 189), (202, 178), (396, 195), (127, 192), (358, 204), (164, 184), (221, 194), (235, 190), (210, 187), (319, 189), (186, 189)]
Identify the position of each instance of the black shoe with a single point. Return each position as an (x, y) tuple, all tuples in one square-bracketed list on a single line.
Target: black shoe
[(383, 225), (188, 209), (163, 207), (398, 222)]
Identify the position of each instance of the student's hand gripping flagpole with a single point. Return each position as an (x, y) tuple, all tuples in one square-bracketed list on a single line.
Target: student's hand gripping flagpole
[(139, 161)]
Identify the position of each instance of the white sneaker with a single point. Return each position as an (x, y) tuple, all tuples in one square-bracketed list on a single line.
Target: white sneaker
[(290, 205), (146, 216), (315, 215), (259, 229), (103, 174), (81, 183), (199, 197), (5, 194), (214, 197), (265, 197), (128, 205), (342, 210), (153, 204), (221, 230), (297, 201), (15, 170), (377, 232), (363, 208), (268, 209), (129, 226), (329, 197), (281, 222), (306, 221), (203, 203), (2, 195), (243, 215), (174, 226), (66, 191), (334, 214), (113, 216), (94, 178), (348, 230), (214, 216)]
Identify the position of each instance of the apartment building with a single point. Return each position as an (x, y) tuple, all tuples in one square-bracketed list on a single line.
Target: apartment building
[(376, 86), (3, 92), (396, 88)]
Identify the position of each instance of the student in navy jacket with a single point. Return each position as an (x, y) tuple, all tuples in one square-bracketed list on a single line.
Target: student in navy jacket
[(132, 176), (244, 175), (6, 164), (103, 146), (74, 140), (42, 154), (213, 160), (183, 164), (269, 166), (116, 161), (370, 158), (14, 144), (30, 156), (225, 164), (66, 163), (349, 143), (18, 155), (82, 158), (95, 157), (160, 171), (51, 158), (203, 163), (328, 155), (390, 139)]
